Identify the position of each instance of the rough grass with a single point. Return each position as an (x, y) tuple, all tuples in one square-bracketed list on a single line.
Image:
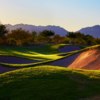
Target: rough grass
[(49, 83)]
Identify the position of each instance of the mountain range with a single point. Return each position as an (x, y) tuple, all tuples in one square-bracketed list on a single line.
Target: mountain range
[(57, 29), (93, 31)]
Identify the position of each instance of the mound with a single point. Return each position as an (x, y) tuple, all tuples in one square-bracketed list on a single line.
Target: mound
[(89, 59), (49, 83)]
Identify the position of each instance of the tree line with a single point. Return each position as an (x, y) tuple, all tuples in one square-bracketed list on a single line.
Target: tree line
[(20, 37)]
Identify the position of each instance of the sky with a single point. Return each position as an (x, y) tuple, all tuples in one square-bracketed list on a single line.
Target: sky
[(69, 14)]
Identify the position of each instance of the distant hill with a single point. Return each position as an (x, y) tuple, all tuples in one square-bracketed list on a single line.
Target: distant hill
[(58, 30), (93, 31)]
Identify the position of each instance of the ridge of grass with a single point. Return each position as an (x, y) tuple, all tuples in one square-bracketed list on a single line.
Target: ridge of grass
[(49, 83), (44, 58)]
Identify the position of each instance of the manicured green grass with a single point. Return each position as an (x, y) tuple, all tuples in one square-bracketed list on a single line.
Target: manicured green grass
[(33, 53), (44, 58), (44, 49), (82, 50), (46, 82), (49, 83), (43, 53), (57, 46)]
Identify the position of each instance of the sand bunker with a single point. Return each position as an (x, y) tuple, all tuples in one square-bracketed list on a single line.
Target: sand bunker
[(89, 59)]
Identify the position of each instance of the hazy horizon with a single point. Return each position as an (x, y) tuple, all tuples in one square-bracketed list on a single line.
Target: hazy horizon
[(69, 14)]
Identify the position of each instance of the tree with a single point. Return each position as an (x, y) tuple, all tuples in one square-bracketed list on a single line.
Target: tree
[(34, 36), (47, 33), (90, 40), (3, 30), (58, 39), (71, 35), (97, 41), (79, 38), (45, 36), (19, 37)]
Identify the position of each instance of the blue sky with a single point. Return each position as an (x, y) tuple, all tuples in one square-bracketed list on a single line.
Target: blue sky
[(70, 14)]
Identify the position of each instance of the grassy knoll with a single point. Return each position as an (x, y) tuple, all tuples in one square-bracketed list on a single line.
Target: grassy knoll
[(49, 83)]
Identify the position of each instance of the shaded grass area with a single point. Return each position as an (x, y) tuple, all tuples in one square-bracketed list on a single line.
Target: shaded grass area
[(42, 53), (43, 58), (39, 63), (36, 51), (49, 83), (44, 49), (83, 49)]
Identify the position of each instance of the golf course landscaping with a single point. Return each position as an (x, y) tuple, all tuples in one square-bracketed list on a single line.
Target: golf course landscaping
[(19, 57), (42, 73)]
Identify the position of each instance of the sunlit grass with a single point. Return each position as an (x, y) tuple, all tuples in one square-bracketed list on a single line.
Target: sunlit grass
[(41, 57), (39, 82), (37, 55), (29, 54), (49, 82)]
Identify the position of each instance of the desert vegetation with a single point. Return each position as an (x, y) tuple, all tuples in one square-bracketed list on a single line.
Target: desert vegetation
[(21, 37)]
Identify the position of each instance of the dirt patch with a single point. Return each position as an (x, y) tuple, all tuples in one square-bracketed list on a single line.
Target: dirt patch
[(87, 60)]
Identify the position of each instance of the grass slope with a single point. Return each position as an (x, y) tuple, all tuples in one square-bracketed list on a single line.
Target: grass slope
[(46, 54), (42, 53), (49, 83), (29, 52)]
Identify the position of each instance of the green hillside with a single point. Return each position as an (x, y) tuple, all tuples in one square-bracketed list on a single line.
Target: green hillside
[(49, 83)]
